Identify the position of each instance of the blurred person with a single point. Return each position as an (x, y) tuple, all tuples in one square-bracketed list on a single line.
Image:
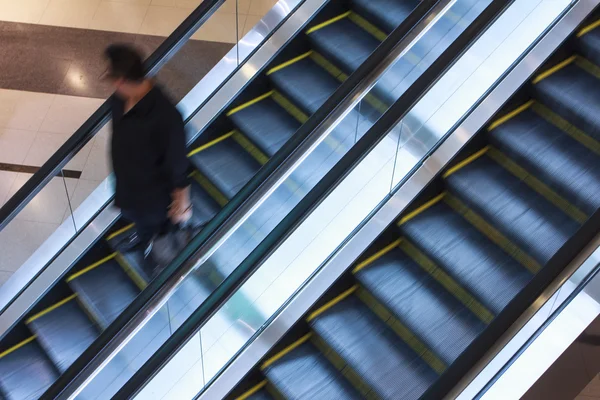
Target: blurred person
[(148, 149)]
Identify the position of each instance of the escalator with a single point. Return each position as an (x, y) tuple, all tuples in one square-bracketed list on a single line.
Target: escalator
[(231, 150), (432, 284)]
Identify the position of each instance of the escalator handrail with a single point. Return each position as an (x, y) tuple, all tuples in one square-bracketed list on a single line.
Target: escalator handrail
[(161, 288), (53, 166), (350, 160)]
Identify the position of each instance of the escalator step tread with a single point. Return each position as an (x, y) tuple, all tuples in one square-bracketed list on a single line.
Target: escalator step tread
[(261, 395), (305, 373), (26, 373), (205, 207), (553, 156), (106, 291), (227, 165), (266, 124), (524, 216), (469, 257), (344, 43), (567, 92), (383, 361), (589, 45), (434, 315), (64, 333), (385, 14), (305, 84)]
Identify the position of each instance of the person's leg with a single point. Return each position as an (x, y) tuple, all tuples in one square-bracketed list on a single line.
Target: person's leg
[(148, 224)]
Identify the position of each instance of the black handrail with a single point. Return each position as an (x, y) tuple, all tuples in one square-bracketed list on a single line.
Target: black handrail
[(356, 154), (53, 166), (89, 357)]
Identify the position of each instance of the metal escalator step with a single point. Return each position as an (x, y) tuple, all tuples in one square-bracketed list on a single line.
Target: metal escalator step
[(305, 373), (420, 303), (386, 14), (260, 395), (525, 217), (105, 291), (383, 362), (205, 207), (26, 373), (305, 84), (570, 93), (64, 332), (227, 165), (467, 256), (344, 43), (589, 45), (554, 157), (266, 124)]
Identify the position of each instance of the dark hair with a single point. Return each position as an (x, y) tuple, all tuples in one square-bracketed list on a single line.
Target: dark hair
[(125, 62)]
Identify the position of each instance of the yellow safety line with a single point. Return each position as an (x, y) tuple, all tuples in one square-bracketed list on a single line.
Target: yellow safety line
[(117, 233), (466, 161), (554, 69), (367, 26), (588, 28), (419, 210), (91, 267), (288, 63), (285, 351), (49, 309), (211, 143), (17, 346), (331, 303), (377, 255), (249, 103), (510, 115), (328, 22), (252, 391)]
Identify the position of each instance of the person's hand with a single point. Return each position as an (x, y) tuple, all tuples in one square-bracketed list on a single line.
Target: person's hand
[(180, 210)]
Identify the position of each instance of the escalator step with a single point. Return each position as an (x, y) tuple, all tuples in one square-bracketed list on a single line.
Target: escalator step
[(389, 368), (260, 395), (436, 317), (567, 92), (26, 373), (305, 84), (589, 45), (470, 258), (386, 14), (344, 43), (554, 157), (227, 165), (525, 217), (305, 373), (205, 207), (64, 332), (105, 290), (267, 124)]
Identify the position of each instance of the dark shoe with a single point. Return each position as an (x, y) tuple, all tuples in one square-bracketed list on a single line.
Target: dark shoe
[(129, 243)]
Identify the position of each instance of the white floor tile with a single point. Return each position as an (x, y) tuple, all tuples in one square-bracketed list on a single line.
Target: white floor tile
[(70, 13), (119, 17), (251, 21), (162, 21), (221, 28), (23, 110), (7, 179), (98, 165), (68, 113), (83, 189), (261, 7), (43, 147), (19, 240), (138, 2), (243, 6), (78, 162), (187, 4), (15, 144), (28, 11)]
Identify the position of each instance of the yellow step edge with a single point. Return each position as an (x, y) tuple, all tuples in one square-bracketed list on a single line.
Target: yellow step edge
[(91, 267), (285, 351), (588, 66), (419, 210), (288, 63), (252, 391), (132, 273), (367, 26), (554, 69), (377, 255), (51, 308), (328, 22), (510, 115), (117, 233), (328, 66), (249, 103), (588, 28), (17, 346), (466, 161), (331, 303), (211, 189), (247, 145), (211, 143), (289, 107)]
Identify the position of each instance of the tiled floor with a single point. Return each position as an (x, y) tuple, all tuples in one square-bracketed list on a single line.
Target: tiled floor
[(591, 391)]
